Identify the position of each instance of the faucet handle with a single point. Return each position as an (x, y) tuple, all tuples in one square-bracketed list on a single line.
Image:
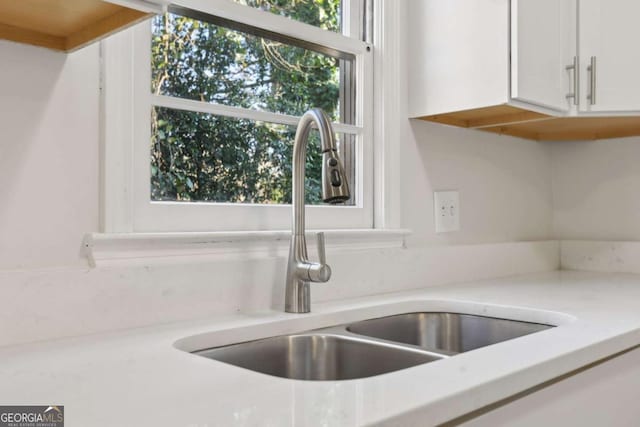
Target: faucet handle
[(319, 272), (321, 248)]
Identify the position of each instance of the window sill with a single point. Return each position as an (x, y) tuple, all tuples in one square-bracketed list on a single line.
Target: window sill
[(108, 248)]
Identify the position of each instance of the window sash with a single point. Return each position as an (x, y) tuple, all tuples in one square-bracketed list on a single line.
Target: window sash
[(243, 27), (350, 42), (241, 113)]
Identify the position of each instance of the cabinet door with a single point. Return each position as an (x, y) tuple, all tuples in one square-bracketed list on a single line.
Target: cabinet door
[(609, 33), (543, 44), (605, 395)]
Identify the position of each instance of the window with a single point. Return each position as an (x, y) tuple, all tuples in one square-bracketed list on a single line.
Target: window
[(218, 88)]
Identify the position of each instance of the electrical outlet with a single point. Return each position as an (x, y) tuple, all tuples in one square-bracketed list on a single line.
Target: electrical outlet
[(446, 211)]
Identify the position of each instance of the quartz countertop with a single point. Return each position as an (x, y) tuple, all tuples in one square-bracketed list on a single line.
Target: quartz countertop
[(143, 377)]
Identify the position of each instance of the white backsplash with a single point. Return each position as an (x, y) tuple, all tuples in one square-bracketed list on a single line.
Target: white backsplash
[(47, 304), (600, 256)]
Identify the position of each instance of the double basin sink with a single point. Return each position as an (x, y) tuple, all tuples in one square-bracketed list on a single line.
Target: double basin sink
[(370, 347)]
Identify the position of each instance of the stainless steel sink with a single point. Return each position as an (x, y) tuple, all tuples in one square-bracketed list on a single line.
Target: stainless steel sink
[(445, 332), (370, 347), (319, 357)]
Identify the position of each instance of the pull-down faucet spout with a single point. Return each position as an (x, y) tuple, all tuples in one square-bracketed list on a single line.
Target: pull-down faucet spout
[(335, 189)]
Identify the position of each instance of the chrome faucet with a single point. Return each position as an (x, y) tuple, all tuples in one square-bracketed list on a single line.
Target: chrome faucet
[(335, 189)]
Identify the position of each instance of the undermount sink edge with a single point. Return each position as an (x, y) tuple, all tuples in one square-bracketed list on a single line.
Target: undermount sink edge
[(327, 350)]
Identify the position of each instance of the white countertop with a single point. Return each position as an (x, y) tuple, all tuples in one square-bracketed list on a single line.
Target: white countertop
[(139, 377)]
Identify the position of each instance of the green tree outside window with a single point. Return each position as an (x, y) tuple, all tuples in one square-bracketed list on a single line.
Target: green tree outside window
[(208, 158)]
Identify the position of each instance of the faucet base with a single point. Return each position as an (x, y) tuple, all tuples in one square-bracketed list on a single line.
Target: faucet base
[(298, 297)]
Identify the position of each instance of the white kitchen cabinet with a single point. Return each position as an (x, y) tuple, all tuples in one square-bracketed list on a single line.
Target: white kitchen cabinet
[(513, 67), (543, 44), (609, 33), (603, 395), (459, 55)]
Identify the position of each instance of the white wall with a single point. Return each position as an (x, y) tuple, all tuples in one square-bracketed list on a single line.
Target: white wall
[(49, 163), (504, 184), (596, 189), (49, 105), (48, 155)]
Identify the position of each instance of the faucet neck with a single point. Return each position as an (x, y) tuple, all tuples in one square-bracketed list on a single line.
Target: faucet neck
[(319, 118), (300, 272)]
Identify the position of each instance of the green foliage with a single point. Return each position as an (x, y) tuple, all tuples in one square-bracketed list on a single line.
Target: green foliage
[(201, 157)]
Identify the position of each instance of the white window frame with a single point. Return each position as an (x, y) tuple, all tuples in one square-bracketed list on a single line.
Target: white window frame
[(126, 131), (118, 244), (117, 162)]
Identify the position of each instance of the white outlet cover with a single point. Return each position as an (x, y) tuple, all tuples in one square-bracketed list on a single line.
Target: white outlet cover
[(446, 211)]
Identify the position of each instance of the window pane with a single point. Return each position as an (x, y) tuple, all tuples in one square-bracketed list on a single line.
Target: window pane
[(198, 157), (205, 62), (325, 14)]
